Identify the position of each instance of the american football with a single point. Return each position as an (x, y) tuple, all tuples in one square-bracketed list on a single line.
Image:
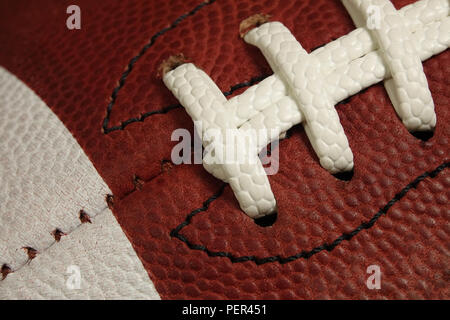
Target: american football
[(223, 150)]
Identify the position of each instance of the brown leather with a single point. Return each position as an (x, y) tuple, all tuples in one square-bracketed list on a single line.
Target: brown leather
[(75, 73)]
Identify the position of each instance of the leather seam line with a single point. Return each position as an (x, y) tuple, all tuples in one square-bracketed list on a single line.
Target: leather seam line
[(175, 233), (130, 66), (42, 251), (164, 110)]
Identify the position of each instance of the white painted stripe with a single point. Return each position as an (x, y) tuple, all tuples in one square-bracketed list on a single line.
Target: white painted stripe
[(108, 267), (46, 180)]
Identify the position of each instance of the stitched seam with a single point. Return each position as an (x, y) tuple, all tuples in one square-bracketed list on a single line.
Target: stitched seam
[(130, 192), (68, 233), (164, 110), (175, 233), (130, 66)]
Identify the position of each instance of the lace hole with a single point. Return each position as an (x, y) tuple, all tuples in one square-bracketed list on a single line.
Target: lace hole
[(344, 176), (267, 220), (423, 135)]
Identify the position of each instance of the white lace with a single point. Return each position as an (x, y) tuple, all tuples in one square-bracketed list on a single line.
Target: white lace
[(305, 88)]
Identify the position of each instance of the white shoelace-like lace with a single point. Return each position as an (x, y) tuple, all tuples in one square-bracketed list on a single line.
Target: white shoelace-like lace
[(305, 88)]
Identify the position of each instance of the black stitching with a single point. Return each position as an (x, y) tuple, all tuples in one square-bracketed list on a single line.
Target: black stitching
[(164, 110), (244, 84), (303, 254), (130, 66), (318, 47)]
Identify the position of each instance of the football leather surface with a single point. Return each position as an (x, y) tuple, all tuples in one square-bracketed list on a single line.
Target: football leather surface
[(174, 231)]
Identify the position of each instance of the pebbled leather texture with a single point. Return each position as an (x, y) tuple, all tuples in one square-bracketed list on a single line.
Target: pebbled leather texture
[(305, 78), (46, 180), (108, 266), (46, 177), (76, 72)]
